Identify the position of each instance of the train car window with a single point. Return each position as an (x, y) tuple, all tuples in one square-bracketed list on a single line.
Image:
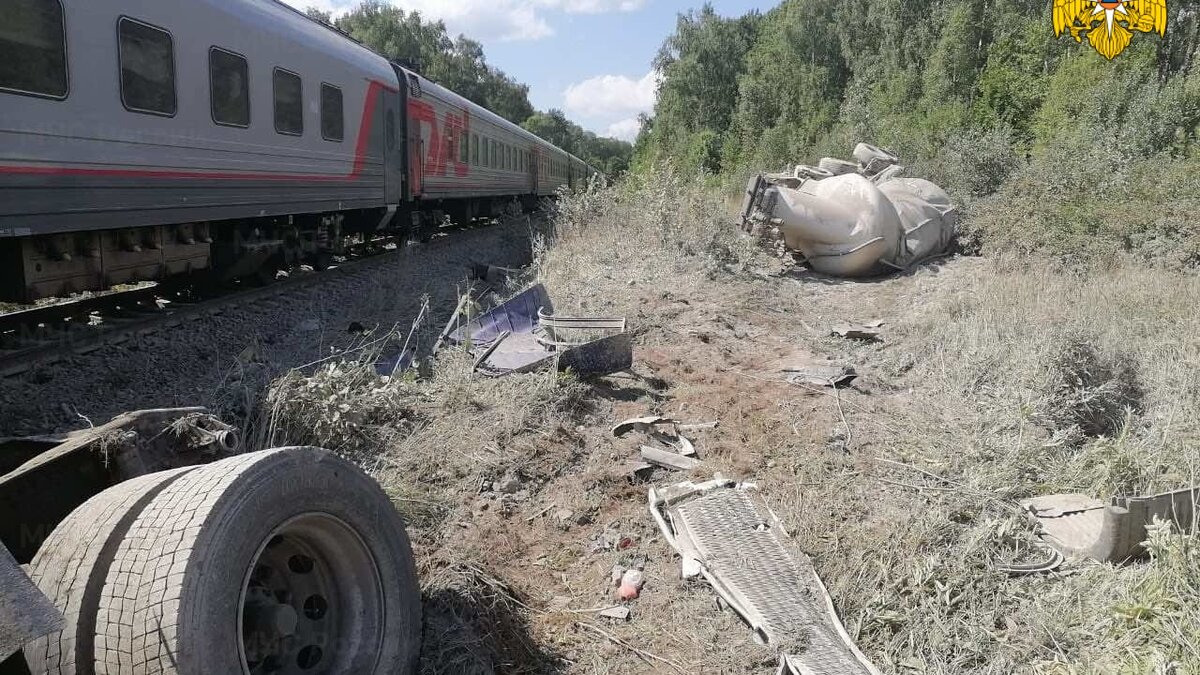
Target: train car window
[(229, 87), (33, 48), (475, 149), (333, 123), (289, 103), (147, 60)]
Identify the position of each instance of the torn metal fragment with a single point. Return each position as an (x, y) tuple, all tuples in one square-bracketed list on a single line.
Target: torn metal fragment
[(865, 332), (639, 424), (536, 338), (1083, 526), (668, 459), (620, 613)]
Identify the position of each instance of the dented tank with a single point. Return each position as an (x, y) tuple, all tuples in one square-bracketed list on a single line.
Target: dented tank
[(853, 223)]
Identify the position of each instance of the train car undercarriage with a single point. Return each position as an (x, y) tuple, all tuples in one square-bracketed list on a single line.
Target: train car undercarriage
[(58, 265)]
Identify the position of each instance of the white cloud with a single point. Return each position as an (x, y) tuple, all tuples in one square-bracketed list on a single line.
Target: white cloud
[(611, 97), (592, 6), (485, 20), (626, 130)]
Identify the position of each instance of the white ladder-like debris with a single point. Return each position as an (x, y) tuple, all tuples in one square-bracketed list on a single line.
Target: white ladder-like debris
[(738, 547)]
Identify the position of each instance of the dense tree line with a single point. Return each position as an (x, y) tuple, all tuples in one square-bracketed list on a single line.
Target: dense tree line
[(930, 78), (459, 64)]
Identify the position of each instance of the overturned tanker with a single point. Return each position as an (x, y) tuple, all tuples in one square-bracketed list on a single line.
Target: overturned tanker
[(852, 219)]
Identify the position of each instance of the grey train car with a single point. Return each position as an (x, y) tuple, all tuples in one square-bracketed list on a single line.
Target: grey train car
[(141, 140)]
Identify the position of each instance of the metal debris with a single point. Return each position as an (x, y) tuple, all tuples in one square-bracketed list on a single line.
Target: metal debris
[(668, 459), (738, 545), (868, 332), (536, 338), (640, 424), (1082, 526), (620, 613)]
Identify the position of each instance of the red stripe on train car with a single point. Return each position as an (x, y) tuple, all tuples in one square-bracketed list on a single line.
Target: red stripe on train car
[(360, 158)]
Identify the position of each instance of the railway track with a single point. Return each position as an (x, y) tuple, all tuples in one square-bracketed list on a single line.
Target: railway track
[(45, 335)]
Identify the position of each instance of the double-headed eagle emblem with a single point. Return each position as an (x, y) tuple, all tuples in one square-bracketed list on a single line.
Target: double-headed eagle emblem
[(1108, 25)]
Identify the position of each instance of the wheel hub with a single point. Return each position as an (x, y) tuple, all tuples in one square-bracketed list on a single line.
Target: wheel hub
[(311, 592)]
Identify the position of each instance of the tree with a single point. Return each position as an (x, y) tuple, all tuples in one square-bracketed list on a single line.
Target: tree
[(699, 65), (608, 155), (426, 47)]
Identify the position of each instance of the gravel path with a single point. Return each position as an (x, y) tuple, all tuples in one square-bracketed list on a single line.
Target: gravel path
[(223, 361)]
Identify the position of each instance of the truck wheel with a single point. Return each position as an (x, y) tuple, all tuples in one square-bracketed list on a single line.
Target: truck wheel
[(281, 561), (71, 565)]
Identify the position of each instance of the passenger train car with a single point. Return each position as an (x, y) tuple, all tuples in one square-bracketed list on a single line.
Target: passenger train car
[(139, 140)]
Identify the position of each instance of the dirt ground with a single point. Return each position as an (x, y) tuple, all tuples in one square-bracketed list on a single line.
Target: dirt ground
[(705, 353)]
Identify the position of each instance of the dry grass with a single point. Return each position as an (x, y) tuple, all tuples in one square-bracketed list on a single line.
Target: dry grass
[(1003, 377), (1027, 380), (658, 229)]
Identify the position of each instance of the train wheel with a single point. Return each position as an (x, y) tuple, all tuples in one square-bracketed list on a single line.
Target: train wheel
[(281, 561), (71, 566)]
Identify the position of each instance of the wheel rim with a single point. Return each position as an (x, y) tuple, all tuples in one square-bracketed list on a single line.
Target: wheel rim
[(311, 601)]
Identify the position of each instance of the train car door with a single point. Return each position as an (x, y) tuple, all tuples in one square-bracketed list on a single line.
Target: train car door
[(393, 123), (531, 168), (412, 147)]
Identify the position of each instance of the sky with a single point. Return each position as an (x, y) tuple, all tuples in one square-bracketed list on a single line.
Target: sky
[(588, 58)]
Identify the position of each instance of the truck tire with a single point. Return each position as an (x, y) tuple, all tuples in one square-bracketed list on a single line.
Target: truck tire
[(71, 565), (281, 561)]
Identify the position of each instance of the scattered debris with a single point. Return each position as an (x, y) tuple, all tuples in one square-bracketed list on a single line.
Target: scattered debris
[(1082, 526), (620, 613), (822, 376), (1053, 561), (668, 459), (642, 424), (737, 544), (638, 471), (699, 426), (522, 335), (868, 332), (618, 573), (679, 444), (631, 584), (686, 448)]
